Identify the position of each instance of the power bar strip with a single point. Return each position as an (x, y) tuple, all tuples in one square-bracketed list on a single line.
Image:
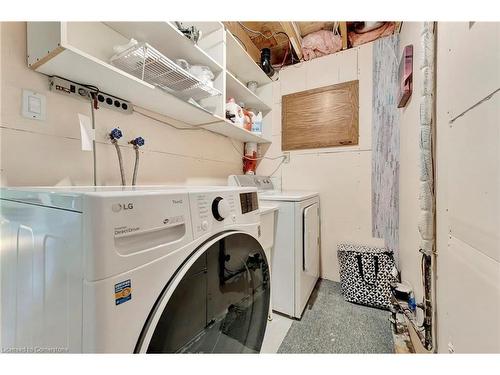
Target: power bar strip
[(67, 87)]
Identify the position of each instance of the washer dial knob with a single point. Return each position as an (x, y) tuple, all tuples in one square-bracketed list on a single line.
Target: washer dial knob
[(220, 209)]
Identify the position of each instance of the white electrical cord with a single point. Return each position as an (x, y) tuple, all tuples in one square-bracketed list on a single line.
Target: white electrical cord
[(278, 167), (259, 158), (93, 140), (282, 157), (193, 127), (336, 28), (262, 34)]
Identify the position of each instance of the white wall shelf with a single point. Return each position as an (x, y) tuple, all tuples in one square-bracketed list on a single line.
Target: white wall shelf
[(231, 130), (81, 51), (241, 93)]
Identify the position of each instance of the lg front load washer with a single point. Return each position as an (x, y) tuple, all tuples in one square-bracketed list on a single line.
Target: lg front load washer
[(133, 269), (296, 252)]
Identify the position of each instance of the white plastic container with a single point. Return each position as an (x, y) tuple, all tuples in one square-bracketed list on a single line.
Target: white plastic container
[(257, 123), (234, 109)]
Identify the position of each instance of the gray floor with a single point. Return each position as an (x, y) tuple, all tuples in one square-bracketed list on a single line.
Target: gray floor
[(332, 325)]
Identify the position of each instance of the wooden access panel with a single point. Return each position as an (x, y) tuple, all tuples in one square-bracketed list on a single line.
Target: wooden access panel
[(323, 117)]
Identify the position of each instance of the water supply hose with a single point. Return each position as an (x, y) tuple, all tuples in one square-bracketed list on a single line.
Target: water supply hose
[(136, 165), (114, 135), (137, 142)]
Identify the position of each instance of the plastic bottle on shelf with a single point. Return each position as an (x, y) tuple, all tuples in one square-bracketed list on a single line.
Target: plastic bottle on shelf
[(247, 123), (257, 123), (234, 113)]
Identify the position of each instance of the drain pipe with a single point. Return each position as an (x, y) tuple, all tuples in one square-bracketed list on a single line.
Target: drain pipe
[(426, 225), (136, 143), (114, 135)]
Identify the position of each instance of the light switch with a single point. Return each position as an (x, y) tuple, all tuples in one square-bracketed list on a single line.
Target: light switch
[(33, 105)]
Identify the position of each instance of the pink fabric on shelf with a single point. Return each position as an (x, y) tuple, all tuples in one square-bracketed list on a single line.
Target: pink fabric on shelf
[(320, 43), (358, 39)]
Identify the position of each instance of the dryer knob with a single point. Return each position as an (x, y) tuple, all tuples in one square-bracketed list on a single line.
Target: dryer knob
[(220, 209)]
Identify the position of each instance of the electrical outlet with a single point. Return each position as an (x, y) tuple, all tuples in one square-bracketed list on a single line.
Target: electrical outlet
[(286, 160), (67, 87)]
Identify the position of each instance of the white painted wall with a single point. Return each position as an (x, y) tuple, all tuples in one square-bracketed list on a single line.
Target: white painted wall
[(467, 183), (48, 152), (468, 187), (342, 175)]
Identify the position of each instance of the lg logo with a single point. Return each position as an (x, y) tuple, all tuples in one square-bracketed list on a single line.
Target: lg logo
[(117, 207)]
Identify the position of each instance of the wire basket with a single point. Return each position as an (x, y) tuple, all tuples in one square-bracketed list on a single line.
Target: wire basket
[(146, 63)]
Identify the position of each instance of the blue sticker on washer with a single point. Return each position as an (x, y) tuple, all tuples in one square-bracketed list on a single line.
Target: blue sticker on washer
[(123, 292)]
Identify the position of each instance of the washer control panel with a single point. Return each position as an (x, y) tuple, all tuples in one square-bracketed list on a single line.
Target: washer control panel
[(213, 210), (220, 208), (249, 202)]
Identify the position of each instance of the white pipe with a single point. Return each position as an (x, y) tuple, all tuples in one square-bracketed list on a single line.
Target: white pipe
[(94, 155)]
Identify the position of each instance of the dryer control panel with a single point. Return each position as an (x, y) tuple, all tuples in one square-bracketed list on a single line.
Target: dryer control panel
[(260, 182)]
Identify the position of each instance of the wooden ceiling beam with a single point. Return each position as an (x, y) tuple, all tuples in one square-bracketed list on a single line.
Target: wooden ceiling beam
[(343, 34), (240, 34), (295, 38)]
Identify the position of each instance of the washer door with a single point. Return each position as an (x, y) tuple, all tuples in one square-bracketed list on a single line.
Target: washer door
[(217, 302)]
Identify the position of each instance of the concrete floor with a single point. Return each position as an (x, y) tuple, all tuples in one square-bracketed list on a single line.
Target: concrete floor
[(331, 325)]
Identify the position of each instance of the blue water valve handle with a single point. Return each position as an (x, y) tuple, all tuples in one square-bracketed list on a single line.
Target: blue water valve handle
[(412, 305), (139, 141), (115, 133)]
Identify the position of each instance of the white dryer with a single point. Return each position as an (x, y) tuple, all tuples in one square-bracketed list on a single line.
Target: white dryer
[(296, 252), (143, 269)]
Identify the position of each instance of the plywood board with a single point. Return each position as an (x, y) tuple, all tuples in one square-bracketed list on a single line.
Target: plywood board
[(310, 27), (265, 34), (243, 38), (323, 117)]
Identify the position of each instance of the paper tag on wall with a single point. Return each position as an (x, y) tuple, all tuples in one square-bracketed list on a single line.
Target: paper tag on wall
[(86, 131)]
